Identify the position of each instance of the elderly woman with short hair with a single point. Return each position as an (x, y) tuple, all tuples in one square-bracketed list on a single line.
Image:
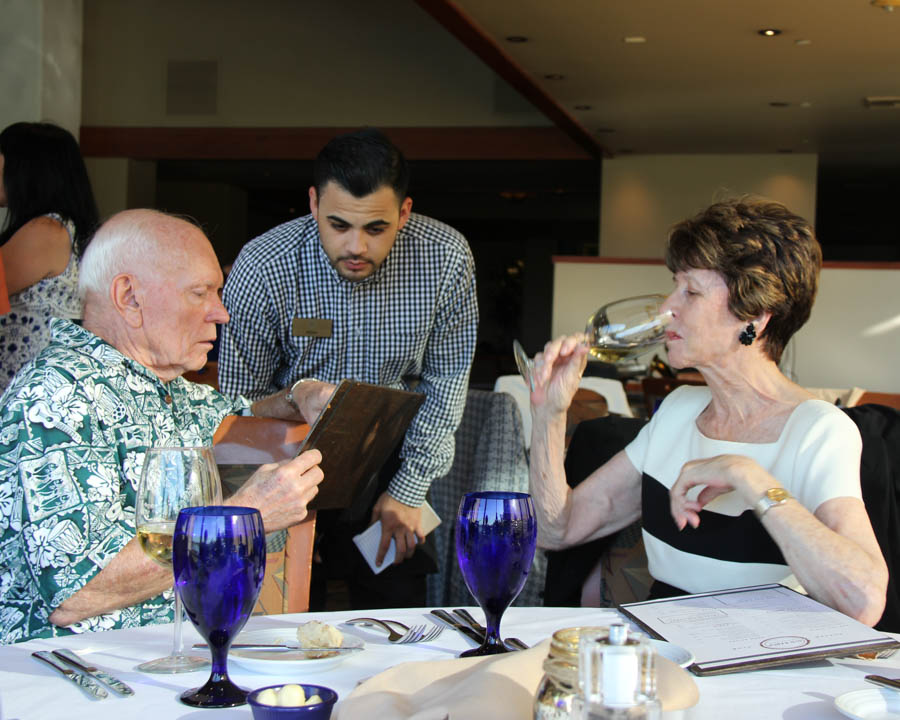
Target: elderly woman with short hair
[(746, 480)]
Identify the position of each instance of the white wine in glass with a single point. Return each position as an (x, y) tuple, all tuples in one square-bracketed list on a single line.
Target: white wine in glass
[(627, 328), (173, 478), (618, 331)]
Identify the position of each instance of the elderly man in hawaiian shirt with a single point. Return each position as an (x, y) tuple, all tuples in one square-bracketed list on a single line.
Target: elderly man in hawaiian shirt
[(77, 420)]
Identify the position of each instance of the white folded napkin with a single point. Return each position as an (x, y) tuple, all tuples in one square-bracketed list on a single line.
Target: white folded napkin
[(499, 687)]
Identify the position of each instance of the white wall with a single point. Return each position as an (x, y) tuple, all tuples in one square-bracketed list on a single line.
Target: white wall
[(290, 63), (40, 63), (642, 196), (851, 340)]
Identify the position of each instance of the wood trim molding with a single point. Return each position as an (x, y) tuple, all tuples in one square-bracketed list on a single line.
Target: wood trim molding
[(827, 265), (304, 143), (464, 28)]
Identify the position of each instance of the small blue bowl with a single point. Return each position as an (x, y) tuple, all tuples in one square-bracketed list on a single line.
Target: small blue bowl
[(318, 711)]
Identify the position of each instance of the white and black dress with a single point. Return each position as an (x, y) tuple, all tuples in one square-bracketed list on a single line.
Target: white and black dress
[(816, 458)]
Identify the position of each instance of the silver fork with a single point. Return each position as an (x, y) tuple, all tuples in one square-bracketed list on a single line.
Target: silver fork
[(425, 635), (414, 634)]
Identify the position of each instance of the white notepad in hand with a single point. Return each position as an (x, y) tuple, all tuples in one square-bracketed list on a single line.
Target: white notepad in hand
[(367, 541)]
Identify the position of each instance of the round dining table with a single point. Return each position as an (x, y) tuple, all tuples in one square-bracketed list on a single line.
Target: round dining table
[(30, 690)]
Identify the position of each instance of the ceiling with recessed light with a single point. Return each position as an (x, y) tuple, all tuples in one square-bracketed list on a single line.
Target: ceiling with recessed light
[(704, 79)]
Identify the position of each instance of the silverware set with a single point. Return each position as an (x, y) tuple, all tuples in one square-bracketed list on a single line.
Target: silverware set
[(95, 681), (86, 676), (414, 634), (463, 622)]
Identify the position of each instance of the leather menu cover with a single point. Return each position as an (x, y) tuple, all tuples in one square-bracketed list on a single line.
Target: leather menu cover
[(356, 433)]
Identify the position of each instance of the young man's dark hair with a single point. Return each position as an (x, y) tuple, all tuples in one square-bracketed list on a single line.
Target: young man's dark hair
[(361, 162)]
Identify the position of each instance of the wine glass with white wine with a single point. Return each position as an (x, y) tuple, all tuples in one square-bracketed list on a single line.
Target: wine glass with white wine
[(173, 478), (618, 331)]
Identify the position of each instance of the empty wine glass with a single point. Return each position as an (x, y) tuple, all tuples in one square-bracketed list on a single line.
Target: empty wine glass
[(173, 478), (619, 330), (496, 534), (219, 558)]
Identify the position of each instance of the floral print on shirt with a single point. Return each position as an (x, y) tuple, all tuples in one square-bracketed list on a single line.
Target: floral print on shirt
[(74, 427)]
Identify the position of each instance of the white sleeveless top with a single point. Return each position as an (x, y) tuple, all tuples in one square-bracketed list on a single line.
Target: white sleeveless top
[(25, 330)]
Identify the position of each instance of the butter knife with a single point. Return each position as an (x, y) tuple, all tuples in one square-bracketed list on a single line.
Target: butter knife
[(883, 681), (457, 625), (74, 660), (466, 617), (88, 684), (282, 646)]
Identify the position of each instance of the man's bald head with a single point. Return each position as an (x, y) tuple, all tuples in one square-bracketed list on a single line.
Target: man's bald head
[(145, 243), (151, 285)]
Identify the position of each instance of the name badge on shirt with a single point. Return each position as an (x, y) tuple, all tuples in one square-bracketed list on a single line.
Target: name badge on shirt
[(310, 327)]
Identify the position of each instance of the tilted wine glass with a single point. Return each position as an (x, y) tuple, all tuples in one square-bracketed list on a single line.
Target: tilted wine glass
[(618, 331), (173, 478), (219, 558), (496, 534)]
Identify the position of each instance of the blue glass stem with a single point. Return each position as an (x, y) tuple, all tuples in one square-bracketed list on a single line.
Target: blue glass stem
[(493, 643), (219, 674)]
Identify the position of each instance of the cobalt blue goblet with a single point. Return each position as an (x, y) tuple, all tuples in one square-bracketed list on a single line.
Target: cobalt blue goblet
[(496, 533), (219, 558)]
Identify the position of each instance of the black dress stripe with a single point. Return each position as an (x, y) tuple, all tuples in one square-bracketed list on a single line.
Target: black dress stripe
[(720, 537)]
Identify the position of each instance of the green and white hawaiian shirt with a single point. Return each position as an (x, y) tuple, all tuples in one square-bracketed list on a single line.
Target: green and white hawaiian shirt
[(74, 427)]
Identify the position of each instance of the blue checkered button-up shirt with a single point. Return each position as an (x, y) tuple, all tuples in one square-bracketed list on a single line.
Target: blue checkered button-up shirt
[(411, 324)]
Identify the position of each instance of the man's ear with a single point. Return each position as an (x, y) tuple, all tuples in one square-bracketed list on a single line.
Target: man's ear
[(314, 203), (123, 295), (405, 210)]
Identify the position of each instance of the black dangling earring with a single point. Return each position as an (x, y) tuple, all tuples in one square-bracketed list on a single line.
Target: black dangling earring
[(748, 336)]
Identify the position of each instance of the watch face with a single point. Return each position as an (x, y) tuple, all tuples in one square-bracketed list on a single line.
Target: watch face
[(777, 494)]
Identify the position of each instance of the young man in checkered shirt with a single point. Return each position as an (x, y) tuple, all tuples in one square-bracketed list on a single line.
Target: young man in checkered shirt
[(361, 288)]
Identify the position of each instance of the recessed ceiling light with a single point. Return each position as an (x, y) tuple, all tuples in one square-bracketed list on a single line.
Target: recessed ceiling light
[(516, 38), (802, 41), (779, 104), (769, 32), (584, 107), (888, 5), (554, 76), (806, 104), (634, 39)]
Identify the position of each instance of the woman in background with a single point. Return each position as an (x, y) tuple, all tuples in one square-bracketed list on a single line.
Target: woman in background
[(51, 217)]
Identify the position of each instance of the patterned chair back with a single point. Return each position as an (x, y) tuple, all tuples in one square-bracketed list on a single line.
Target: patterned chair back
[(490, 455)]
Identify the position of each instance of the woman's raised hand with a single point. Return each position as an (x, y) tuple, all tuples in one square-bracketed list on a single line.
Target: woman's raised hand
[(717, 476), (557, 372)]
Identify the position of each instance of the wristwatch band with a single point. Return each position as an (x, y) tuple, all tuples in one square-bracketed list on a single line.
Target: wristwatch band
[(289, 395), (770, 498)]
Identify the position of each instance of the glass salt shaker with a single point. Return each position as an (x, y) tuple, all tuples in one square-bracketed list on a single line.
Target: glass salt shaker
[(617, 676)]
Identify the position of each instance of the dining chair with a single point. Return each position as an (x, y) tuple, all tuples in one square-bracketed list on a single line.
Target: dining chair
[(240, 445), (891, 400), (490, 455), (613, 393), (207, 375), (615, 565), (656, 388), (879, 472)]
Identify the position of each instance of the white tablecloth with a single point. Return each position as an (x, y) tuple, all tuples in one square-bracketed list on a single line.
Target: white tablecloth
[(29, 690)]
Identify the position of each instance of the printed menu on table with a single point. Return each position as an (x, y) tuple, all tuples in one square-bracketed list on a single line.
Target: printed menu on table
[(754, 627)]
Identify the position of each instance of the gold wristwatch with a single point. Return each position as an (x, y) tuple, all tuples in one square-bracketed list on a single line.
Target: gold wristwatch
[(770, 498)]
